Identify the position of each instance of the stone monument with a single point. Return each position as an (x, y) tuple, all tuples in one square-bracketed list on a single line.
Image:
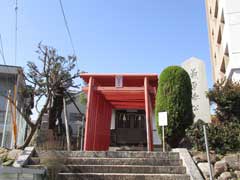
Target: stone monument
[(197, 72)]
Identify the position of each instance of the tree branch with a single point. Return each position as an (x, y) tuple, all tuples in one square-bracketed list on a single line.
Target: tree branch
[(27, 119), (34, 127)]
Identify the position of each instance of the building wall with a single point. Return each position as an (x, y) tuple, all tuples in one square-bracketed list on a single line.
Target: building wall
[(74, 116), (223, 18), (156, 138), (6, 84), (10, 77)]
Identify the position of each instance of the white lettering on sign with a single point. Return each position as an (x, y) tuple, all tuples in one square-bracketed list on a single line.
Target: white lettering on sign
[(162, 119), (118, 81)]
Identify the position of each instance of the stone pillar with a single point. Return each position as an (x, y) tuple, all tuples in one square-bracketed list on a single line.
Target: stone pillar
[(197, 72)]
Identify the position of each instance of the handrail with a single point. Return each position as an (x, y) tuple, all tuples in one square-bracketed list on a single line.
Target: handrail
[(207, 150)]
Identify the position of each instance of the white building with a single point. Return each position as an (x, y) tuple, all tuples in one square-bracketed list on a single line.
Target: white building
[(75, 121), (75, 118), (223, 18), (11, 76)]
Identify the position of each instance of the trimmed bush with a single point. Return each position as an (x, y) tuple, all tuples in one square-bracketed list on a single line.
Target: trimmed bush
[(226, 95), (222, 138), (174, 95)]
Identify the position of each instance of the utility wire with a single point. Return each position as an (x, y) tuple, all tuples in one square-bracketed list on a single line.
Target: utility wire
[(16, 31), (67, 27), (2, 51), (68, 31), (3, 57)]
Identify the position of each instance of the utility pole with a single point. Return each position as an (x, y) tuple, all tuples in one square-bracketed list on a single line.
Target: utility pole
[(66, 124)]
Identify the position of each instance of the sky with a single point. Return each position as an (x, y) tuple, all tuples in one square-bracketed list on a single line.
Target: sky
[(122, 36)]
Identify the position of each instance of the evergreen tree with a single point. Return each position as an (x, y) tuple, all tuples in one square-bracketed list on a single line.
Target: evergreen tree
[(174, 95)]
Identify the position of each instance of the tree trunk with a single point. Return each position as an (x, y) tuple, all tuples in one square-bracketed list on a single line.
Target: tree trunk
[(35, 126)]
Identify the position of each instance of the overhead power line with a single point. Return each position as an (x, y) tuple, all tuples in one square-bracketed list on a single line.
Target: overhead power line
[(67, 27), (16, 31), (2, 51), (3, 56)]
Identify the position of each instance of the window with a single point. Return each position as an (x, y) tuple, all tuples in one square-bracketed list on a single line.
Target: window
[(143, 121), (225, 60), (219, 39), (2, 116), (75, 117), (139, 121), (226, 53), (215, 58), (126, 121), (223, 69), (226, 57), (119, 121), (216, 9), (130, 120), (123, 120), (222, 18)]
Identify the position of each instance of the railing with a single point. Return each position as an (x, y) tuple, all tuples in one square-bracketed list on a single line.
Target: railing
[(207, 151)]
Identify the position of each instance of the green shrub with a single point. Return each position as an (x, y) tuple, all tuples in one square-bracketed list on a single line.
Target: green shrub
[(195, 134), (174, 96), (83, 98), (222, 138), (226, 95)]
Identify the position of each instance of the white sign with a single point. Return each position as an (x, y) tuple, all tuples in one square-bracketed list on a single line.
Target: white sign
[(118, 81), (162, 119)]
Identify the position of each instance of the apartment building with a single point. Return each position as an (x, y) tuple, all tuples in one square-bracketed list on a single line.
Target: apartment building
[(223, 17), (10, 77)]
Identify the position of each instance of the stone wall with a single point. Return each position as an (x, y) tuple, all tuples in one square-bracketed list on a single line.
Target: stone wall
[(223, 167)]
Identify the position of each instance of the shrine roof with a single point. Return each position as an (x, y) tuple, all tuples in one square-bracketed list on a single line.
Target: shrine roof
[(129, 79), (132, 93)]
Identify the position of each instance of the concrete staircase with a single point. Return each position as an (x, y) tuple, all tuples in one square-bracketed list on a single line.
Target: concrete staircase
[(123, 165)]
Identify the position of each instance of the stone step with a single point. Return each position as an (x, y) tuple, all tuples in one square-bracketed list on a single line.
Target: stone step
[(123, 154), (120, 176), (125, 169), (123, 161)]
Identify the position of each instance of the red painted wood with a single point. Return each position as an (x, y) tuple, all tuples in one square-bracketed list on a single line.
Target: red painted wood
[(129, 80), (138, 93), (88, 116), (104, 122), (150, 122), (128, 106), (108, 126), (98, 122), (123, 89), (97, 103), (148, 116), (101, 132)]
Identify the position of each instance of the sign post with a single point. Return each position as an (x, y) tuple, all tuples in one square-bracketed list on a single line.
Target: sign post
[(162, 121)]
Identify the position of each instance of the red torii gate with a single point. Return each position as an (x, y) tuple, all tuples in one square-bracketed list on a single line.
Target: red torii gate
[(137, 91)]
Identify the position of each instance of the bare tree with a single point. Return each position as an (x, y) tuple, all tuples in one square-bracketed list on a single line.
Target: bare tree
[(48, 82)]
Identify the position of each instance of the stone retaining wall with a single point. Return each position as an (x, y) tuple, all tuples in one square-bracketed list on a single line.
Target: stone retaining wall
[(223, 167)]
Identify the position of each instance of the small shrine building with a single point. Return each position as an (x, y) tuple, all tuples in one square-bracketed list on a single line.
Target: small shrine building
[(120, 110)]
